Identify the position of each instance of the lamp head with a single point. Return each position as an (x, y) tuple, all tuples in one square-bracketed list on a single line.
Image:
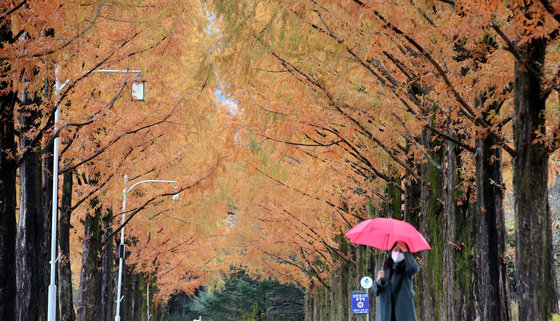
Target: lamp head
[(137, 89)]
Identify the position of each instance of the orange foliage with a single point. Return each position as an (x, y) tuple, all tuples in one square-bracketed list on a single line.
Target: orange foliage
[(333, 99), (328, 103)]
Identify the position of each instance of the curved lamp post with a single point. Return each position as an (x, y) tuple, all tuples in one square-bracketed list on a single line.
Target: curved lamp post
[(121, 246)]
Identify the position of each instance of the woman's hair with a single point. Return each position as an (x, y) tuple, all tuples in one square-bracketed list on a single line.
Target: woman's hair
[(388, 264)]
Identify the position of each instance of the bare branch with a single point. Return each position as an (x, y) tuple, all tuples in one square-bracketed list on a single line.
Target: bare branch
[(292, 143), (14, 9), (115, 140)]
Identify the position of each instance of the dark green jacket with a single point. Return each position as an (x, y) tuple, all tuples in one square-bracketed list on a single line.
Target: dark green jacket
[(400, 289)]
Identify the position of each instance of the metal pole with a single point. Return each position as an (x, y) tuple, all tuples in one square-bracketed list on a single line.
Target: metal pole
[(115, 71), (121, 253), (51, 310)]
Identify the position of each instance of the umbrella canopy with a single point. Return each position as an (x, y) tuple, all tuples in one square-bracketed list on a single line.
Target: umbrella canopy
[(382, 233)]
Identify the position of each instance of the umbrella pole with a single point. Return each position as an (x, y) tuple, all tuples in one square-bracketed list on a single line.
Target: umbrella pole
[(386, 241), (385, 251)]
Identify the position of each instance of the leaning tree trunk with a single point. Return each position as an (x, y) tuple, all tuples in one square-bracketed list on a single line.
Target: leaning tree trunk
[(65, 299), (8, 169), (490, 233), (90, 277), (534, 268), (31, 302)]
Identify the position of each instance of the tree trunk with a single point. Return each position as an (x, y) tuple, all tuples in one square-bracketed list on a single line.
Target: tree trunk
[(141, 292), (458, 235), (490, 233), (127, 288), (308, 304), (534, 273), (445, 285), (31, 304), (65, 299), (8, 169), (160, 311), (107, 286), (90, 278), (129, 303), (136, 302), (430, 283)]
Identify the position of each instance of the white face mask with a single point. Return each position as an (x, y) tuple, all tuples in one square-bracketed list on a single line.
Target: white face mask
[(397, 256)]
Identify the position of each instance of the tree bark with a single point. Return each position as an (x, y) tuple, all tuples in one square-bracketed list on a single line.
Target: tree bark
[(133, 294), (160, 312), (458, 234), (65, 299), (534, 272), (8, 169), (430, 283), (127, 305), (90, 276), (490, 233), (107, 286), (31, 306)]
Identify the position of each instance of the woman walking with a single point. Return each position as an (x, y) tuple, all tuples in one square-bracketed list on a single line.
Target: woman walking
[(393, 285)]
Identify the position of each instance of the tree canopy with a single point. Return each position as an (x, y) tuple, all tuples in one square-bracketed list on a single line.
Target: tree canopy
[(284, 123)]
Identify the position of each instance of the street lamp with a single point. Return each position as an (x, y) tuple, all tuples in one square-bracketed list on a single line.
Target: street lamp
[(51, 311), (121, 246), (137, 86)]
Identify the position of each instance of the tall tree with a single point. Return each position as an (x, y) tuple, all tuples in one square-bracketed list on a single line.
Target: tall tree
[(65, 298), (403, 67), (30, 302), (534, 269), (90, 275), (107, 271), (8, 168)]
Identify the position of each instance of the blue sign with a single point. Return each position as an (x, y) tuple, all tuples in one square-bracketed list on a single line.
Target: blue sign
[(360, 302)]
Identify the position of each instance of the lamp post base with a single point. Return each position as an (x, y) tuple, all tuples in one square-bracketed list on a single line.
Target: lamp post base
[(51, 312)]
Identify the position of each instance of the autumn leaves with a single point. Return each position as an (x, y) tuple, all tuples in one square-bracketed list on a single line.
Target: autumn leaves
[(409, 105), (406, 106)]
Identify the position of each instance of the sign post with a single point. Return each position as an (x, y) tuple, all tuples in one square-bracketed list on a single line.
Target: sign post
[(360, 299), (360, 303), (366, 282)]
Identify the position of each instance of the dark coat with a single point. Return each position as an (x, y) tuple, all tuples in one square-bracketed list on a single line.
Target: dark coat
[(401, 289)]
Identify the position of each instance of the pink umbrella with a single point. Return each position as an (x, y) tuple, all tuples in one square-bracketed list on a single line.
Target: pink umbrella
[(382, 233)]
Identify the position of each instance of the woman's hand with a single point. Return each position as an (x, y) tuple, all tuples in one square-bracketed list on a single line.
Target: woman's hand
[(380, 275), (401, 246)]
